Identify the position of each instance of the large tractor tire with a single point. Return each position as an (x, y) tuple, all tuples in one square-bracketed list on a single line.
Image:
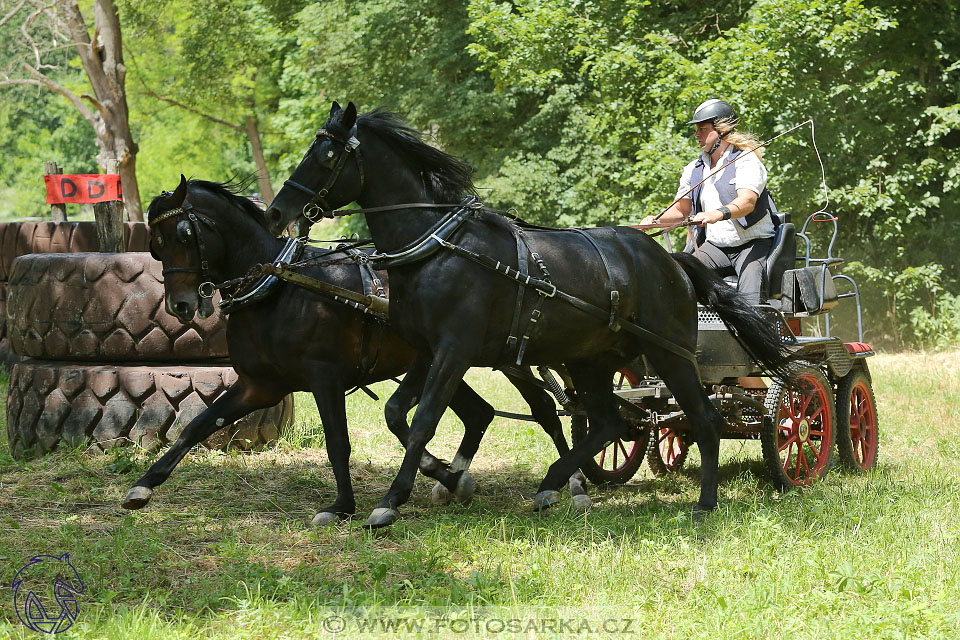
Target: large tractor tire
[(3, 310), (21, 238), (102, 307), (109, 405)]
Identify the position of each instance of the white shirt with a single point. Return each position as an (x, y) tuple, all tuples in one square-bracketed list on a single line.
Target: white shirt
[(720, 188)]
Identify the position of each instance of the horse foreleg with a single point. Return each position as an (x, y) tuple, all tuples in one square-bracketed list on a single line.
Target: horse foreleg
[(442, 379), (398, 406), (544, 411), (328, 394), (236, 402)]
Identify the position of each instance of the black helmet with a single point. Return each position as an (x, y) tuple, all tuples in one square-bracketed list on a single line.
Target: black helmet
[(713, 110)]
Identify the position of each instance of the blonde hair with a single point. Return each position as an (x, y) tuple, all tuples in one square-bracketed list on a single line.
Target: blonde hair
[(740, 139)]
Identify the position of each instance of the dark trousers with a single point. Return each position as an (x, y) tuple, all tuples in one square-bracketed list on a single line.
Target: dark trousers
[(748, 262)]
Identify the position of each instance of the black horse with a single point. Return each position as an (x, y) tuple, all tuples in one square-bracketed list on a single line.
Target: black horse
[(458, 313), (298, 340)]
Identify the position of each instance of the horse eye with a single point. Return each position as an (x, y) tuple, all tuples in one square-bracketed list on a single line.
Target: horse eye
[(159, 241), (184, 232)]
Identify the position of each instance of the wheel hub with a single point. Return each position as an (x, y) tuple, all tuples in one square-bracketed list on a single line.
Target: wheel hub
[(803, 430)]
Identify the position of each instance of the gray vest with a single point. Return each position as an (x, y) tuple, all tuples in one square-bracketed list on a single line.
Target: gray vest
[(763, 207)]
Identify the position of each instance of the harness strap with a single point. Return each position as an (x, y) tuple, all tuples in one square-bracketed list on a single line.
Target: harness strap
[(522, 258), (614, 323), (372, 335), (368, 304), (550, 290), (427, 244)]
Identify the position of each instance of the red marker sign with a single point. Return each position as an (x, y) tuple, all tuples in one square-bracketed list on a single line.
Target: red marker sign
[(82, 188)]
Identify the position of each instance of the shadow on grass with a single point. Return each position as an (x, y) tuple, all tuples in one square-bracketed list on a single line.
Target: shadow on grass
[(224, 525)]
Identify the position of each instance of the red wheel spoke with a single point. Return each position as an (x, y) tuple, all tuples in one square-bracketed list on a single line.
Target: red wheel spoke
[(615, 465), (603, 455), (623, 448), (800, 461), (786, 458), (807, 399), (793, 438), (802, 457)]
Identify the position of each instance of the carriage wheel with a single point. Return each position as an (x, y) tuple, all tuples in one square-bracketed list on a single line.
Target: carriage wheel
[(619, 460), (668, 451), (857, 434), (799, 429)]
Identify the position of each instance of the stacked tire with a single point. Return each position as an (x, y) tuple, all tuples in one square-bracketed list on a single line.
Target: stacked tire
[(105, 363), (21, 238)]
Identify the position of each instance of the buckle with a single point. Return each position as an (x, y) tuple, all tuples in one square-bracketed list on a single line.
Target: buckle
[(206, 289)]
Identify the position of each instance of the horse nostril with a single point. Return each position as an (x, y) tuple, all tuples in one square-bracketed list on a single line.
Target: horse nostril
[(273, 215), (181, 308)]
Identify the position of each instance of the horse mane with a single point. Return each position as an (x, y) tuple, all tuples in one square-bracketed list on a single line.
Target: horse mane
[(231, 190), (448, 178)]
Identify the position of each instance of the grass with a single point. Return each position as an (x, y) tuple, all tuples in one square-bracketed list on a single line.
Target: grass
[(223, 550)]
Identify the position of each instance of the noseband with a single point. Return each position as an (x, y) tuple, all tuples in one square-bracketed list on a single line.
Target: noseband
[(206, 287), (318, 207)]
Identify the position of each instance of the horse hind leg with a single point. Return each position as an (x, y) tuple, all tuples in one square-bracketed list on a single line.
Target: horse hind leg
[(476, 414), (544, 411), (592, 381), (455, 478), (707, 424)]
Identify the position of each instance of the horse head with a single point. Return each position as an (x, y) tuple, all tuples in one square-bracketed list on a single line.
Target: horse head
[(325, 178), (187, 244)]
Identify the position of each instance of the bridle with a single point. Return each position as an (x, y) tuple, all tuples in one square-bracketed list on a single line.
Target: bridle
[(318, 207), (206, 288)]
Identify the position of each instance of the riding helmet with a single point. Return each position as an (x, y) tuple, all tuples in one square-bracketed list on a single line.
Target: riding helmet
[(713, 110)]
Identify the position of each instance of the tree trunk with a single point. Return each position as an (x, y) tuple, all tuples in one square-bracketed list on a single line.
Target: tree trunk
[(263, 175), (103, 62)]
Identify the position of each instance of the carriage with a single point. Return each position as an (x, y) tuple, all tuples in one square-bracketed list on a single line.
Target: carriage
[(830, 400)]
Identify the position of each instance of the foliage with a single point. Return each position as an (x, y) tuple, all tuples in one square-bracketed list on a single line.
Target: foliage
[(572, 111)]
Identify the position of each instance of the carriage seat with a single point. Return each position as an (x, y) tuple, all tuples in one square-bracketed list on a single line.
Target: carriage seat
[(782, 256)]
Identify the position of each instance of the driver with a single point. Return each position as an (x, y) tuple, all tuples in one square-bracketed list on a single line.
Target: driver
[(734, 232)]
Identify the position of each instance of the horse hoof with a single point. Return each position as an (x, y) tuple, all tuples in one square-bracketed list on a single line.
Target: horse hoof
[(582, 501), (440, 494), (466, 487), (545, 499), (701, 512), (381, 517), (324, 518), (137, 498)]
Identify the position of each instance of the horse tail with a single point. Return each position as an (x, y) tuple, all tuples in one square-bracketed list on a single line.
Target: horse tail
[(758, 335)]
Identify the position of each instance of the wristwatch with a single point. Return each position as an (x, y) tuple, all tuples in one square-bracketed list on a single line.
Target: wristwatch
[(726, 212)]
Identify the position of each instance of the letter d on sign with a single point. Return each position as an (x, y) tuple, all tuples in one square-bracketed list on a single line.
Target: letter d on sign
[(68, 188)]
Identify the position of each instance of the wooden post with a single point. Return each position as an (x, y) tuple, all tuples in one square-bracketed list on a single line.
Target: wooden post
[(109, 217), (58, 212)]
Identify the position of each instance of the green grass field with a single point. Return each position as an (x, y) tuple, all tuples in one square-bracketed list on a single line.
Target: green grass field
[(224, 551)]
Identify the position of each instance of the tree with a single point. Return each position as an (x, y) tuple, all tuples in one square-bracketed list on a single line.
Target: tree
[(219, 60), (42, 27)]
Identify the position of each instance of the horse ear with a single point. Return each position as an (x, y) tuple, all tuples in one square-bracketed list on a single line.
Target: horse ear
[(335, 108), (180, 194), (349, 117)]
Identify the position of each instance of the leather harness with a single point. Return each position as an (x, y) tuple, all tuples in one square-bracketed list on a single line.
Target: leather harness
[(438, 235)]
